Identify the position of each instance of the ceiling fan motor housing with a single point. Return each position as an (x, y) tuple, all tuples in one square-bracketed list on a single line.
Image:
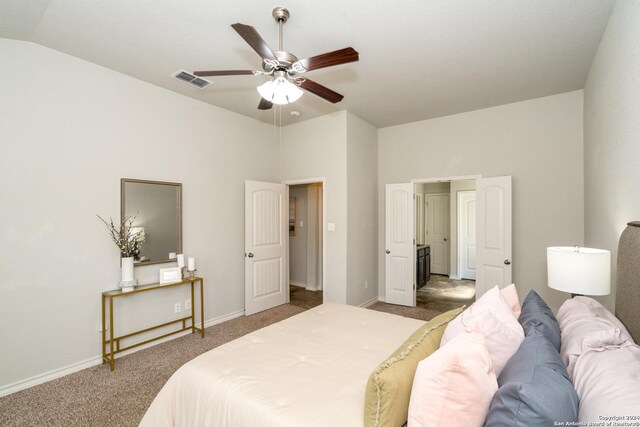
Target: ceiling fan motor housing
[(280, 14)]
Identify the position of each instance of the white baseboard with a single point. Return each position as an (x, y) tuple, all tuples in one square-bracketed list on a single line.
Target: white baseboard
[(84, 364), (298, 284), (370, 302), (381, 298), (453, 277)]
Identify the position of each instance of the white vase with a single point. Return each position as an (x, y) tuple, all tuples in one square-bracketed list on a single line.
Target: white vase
[(128, 282)]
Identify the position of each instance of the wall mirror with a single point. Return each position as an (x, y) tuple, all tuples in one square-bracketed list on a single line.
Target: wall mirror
[(157, 208)]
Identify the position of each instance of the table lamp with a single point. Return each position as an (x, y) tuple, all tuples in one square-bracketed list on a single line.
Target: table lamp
[(580, 271)]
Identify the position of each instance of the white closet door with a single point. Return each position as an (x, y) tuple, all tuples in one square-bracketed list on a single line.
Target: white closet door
[(493, 225), (438, 231), (400, 253), (266, 275)]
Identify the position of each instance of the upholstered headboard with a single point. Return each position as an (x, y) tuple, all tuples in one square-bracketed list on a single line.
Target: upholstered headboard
[(628, 279)]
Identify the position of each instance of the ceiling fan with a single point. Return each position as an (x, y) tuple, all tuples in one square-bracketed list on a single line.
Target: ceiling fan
[(285, 68)]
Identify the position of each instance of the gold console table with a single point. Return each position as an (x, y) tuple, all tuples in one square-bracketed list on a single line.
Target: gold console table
[(114, 342)]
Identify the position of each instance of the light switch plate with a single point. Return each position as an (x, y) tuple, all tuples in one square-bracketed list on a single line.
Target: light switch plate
[(331, 226)]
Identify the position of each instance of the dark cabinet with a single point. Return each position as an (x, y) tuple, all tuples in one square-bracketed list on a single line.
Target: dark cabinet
[(423, 265)]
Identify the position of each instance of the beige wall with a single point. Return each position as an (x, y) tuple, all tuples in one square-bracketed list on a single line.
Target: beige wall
[(362, 167), (612, 134), (538, 142), (317, 148), (69, 131)]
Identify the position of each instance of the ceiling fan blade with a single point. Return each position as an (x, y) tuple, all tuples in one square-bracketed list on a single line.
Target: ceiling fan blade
[(223, 73), (321, 91), (264, 104), (329, 59), (251, 36)]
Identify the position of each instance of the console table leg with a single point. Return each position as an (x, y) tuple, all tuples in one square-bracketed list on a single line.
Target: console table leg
[(202, 307), (104, 333), (111, 359), (193, 309)]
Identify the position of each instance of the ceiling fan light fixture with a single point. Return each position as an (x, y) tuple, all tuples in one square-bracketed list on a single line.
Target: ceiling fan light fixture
[(280, 91)]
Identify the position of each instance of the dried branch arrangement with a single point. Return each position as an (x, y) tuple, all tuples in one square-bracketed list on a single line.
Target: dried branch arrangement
[(128, 242)]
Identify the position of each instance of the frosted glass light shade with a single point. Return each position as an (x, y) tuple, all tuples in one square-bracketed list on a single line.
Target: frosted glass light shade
[(579, 270), (280, 91)]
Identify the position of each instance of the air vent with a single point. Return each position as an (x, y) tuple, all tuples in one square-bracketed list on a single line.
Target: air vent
[(187, 77)]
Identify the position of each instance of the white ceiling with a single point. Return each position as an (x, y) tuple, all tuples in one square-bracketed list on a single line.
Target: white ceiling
[(418, 60)]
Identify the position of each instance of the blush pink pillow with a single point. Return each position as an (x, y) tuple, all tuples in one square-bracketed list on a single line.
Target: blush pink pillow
[(502, 341), (493, 302), (510, 295), (454, 385), (580, 307), (492, 317)]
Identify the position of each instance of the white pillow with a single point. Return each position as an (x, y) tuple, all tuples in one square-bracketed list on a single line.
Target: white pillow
[(454, 385)]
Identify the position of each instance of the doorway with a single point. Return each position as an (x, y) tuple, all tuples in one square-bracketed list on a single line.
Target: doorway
[(306, 244), (438, 223)]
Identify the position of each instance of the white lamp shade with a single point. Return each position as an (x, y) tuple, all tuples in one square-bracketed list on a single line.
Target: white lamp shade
[(280, 91), (579, 270)]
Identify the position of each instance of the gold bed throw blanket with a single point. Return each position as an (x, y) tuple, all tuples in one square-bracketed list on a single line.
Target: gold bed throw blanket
[(388, 390)]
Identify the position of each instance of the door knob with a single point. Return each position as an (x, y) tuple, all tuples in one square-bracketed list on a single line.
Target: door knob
[(445, 239), (250, 255), (507, 262), (388, 251)]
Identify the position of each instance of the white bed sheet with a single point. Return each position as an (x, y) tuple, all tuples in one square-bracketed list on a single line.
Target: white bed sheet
[(308, 370)]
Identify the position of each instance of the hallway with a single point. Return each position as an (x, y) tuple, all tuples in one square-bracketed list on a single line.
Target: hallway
[(443, 294)]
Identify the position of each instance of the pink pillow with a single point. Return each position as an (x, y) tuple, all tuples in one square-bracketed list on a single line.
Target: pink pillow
[(454, 385), (582, 306), (585, 333), (502, 340), (510, 295), (607, 382), (493, 302), (491, 316)]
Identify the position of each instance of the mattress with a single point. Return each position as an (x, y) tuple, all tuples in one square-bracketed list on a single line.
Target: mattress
[(305, 371)]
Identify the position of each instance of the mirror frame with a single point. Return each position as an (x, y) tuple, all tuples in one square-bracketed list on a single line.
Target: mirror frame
[(123, 181)]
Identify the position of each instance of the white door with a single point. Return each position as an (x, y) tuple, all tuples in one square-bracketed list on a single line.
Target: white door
[(467, 234), (419, 219), (265, 272), (493, 225), (400, 253), (437, 216)]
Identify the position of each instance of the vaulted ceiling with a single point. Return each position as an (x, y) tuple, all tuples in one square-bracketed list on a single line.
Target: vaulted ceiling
[(419, 59)]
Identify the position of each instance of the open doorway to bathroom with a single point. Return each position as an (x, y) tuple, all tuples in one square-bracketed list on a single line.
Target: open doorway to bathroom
[(445, 233), (305, 244)]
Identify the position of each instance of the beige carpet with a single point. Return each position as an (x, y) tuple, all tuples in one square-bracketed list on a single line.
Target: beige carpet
[(97, 397)]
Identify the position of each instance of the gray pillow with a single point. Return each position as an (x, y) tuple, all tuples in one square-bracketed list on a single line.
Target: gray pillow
[(534, 387), (537, 314)]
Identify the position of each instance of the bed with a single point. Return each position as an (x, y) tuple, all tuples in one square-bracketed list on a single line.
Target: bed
[(286, 374), (314, 369)]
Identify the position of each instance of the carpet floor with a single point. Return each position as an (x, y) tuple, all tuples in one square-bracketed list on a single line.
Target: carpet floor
[(97, 397)]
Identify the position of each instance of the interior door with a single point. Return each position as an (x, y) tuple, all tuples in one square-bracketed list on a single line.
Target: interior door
[(419, 218), (467, 234), (493, 226), (400, 253), (266, 275), (437, 206)]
